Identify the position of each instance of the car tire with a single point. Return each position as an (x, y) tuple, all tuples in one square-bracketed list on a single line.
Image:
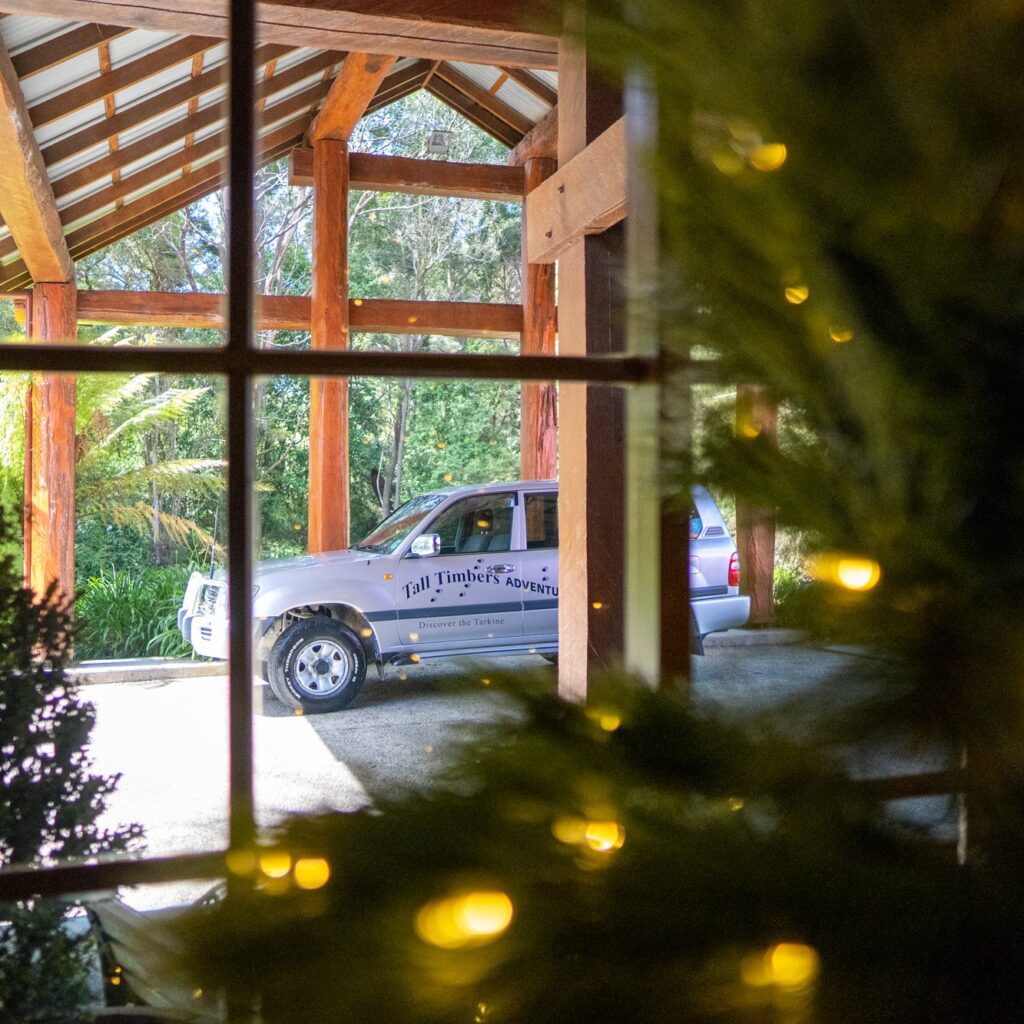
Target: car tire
[(551, 659), (317, 665)]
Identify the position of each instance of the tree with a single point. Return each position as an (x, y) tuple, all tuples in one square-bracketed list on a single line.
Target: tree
[(123, 475), (841, 197), (50, 801)]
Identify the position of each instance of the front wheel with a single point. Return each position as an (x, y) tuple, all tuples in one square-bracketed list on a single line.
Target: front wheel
[(317, 664)]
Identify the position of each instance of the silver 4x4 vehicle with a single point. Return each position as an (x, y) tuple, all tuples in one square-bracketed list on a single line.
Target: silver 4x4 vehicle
[(461, 571)]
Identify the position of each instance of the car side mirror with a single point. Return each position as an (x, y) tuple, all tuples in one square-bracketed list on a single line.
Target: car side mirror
[(426, 545)]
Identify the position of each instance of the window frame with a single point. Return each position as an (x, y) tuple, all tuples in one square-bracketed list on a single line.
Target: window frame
[(239, 364)]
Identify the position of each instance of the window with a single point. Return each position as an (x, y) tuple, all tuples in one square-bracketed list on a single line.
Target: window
[(541, 521), (480, 523), (389, 534), (470, 525)]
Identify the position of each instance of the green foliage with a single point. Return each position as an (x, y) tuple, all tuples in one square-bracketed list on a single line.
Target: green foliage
[(893, 217), (796, 598), (400, 246), (124, 614), (733, 839), (897, 208), (49, 803)]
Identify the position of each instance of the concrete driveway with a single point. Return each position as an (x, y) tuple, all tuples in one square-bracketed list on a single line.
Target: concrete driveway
[(169, 740)]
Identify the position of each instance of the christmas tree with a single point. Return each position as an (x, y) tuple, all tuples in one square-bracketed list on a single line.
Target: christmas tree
[(49, 803), (843, 209)]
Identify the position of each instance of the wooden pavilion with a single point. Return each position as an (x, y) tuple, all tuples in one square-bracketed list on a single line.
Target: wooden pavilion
[(113, 118)]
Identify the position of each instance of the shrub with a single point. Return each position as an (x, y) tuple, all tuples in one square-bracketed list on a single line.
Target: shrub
[(50, 801), (795, 598), (131, 614)]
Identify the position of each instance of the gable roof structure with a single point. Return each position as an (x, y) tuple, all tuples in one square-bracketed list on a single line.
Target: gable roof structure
[(129, 123)]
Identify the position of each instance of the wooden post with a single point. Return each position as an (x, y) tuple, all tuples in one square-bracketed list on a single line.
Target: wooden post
[(328, 397), (756, 417), (590, 420), (50, 458), (538, 446)]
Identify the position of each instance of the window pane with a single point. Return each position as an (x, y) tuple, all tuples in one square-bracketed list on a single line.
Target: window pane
[(541, 521), (481, 523)]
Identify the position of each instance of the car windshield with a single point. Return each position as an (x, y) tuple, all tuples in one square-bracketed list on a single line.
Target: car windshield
[(390, 533)]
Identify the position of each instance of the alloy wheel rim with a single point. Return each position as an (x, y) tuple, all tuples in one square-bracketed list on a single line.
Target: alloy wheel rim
[(322, 667)]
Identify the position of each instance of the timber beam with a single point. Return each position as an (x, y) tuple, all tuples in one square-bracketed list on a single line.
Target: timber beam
[(586, 196), (27, 204), (354, 87), (538, 447), (464, 30), (50, 449), (292, 313), (540, 142), (328, 505), (420, 177), (167, 99), (63, 47), (757, 416)]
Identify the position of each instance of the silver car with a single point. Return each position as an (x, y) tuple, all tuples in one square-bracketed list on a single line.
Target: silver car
[(461, 571)]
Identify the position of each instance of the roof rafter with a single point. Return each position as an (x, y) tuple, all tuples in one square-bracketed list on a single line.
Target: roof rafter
[(401, 83), (63, 47), (457, 29), (181, 130), (141, 213), (168, 99), (472, 111), (179, 161), (135, 71), (533, 84), (285, 136), (482, 98), (26, 199), (357, 82)]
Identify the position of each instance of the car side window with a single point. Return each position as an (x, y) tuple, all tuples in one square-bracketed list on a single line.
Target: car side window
[(482, 522), (541, 521)]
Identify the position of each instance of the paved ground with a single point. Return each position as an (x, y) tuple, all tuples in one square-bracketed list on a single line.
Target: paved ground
[(169, 740)]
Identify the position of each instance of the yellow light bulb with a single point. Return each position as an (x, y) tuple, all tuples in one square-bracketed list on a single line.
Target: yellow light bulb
[(792, 964), (768, 157), (858, 573), (311, 872), (471, 919), (604, 836), (852, 572), (275, 863), (797, 294)]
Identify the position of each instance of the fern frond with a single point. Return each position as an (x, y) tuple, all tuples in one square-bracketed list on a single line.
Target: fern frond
[(140, 517), (168, 407), (175, 478)]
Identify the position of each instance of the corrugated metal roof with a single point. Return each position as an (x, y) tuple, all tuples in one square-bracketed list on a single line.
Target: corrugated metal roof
[(153, 142)]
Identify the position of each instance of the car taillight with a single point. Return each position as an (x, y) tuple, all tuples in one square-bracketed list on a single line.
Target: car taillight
[(734, 570)]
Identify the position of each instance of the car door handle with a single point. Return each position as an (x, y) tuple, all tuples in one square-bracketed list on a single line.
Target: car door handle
[(501, 568)]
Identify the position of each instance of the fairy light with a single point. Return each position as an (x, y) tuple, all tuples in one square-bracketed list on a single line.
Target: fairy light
[(468, 919), (311, 872), (768, 157)]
